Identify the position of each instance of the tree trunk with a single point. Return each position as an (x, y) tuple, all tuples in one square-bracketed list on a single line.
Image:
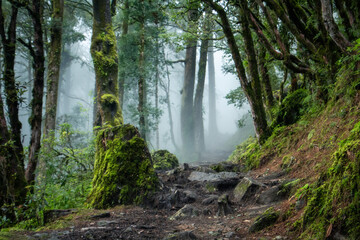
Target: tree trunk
[(213, 129), (332, 27), (251, 89), (198, 104), (265, 79), (54, 62), (12, 98), (186, 113), (142, 83), (38, 90), (157, 79), (104, 54), (125, 28)]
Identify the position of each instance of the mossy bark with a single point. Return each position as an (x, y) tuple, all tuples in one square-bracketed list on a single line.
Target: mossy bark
[(123, 172), (104, 53)]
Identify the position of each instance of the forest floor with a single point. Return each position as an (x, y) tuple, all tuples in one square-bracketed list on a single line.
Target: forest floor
[(197, 187)]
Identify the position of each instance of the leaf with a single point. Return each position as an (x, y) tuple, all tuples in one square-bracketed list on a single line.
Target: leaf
[(329, 230)]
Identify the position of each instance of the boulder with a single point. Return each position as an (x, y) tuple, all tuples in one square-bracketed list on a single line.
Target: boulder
[(187, 211), (164, 160), (123, 172), (266, 219), (246, 189), (221, 180), (187, 235), (209, 200)]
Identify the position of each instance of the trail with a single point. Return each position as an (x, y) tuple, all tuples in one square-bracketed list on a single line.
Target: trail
[(190, 205)]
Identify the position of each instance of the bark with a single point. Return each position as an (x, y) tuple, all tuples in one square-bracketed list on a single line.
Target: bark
[(282, 84), (186, 114), (332, 27), (252, 95), (125, 28), (198, 104), (104, 54), (37, 53), (346, 16), (54, 62), (266, 83), (141, 83), (12, 99), (157, 79), (168, 104), (213, 129)]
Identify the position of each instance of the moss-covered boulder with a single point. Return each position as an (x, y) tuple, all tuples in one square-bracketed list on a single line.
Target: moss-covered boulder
[(123, 172), (164, 160), (266, 219)]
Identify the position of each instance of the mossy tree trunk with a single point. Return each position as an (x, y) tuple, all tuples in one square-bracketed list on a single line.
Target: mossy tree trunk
[(104, 53), (54, 63), (266, 83), (8, 40), (141, 81), (250, 86), (37, 52)]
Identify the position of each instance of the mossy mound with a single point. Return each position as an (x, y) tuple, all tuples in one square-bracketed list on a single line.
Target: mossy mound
[(164, 160), (334, 200), (268, 218), (123, 172), (292, 108)]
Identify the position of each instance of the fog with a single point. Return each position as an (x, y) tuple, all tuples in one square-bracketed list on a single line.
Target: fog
[(76, 95)]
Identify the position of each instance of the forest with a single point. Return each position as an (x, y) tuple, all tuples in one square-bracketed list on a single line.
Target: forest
[(179, 119)]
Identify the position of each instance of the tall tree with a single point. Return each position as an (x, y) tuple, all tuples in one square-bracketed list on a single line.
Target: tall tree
[(186, 114), (54, 62), (104, 53), (251, 85), (213, 129), (141, 81), (37, 51)]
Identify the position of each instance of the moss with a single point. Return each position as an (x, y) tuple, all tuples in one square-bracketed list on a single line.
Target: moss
[(268, 218), (111, 109), (339, 186), (123, 172), (291, 108), (164, 160)]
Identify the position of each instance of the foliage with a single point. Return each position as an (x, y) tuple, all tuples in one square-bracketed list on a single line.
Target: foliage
[(246, 153), (164, 160), (292, 108), (236, 97)]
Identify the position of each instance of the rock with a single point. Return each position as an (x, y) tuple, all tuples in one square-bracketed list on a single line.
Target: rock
[(51, 215), (300, 204), (209, 200), (280, 238), (164, 160), (205, 169), (221, 181), (224, 207), (186, 166), (229, 234), (246, 189), (181, 236), (276, 193), (187, 211), (128, 229), (123, 172), (226, 167), (266, 219), (101, 215)]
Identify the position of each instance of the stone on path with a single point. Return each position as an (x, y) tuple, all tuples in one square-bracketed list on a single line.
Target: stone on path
[(246, 189)]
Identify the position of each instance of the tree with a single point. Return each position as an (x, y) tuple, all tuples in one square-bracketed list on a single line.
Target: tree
[(251, 85), (104, 53), (35, 11), (54, 63)]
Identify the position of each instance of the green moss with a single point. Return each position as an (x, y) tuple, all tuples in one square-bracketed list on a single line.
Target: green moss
[(123, 172), (266, 219), (335, 197), (164, 160), (111, 109)]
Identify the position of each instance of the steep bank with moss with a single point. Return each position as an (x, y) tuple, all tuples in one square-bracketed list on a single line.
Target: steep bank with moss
[(319, 145)]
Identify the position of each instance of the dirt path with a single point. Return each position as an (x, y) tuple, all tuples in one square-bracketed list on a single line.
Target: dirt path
[(190, 206)]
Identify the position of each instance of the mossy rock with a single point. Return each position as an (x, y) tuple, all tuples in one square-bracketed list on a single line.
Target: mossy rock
[(123, 172), (164, 160), (266, 219)]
